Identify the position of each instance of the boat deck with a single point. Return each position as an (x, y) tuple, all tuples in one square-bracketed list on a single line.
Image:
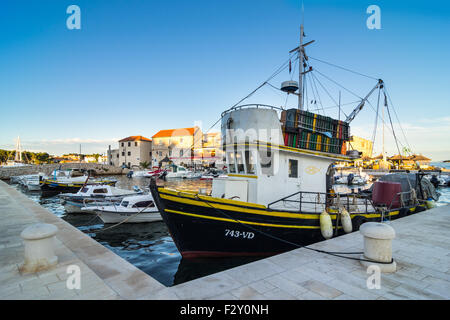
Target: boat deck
[(421, 250)]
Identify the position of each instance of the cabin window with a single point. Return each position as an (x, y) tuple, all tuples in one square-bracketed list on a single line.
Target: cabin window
[(266, 160), (124, 204), (143, 204), (100, 191), (231, 161), (250, 162), (240, 163), (293, 168), (84, 190)]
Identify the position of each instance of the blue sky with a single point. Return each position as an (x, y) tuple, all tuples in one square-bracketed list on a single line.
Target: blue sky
[(136, 67)]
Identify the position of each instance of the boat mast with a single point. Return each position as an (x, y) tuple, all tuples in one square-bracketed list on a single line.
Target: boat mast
[(18, 156), (300, 70)]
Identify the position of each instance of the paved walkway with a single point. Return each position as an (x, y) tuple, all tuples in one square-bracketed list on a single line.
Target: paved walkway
[(421, 250)]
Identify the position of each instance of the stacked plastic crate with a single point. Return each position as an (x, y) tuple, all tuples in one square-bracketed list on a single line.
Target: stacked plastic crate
[(311, 131)]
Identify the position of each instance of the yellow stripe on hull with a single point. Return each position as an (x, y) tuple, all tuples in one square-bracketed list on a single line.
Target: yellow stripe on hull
[(240, 206), (242, 221)]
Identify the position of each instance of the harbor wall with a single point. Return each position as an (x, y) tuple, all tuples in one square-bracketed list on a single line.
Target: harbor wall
[(100, 169)]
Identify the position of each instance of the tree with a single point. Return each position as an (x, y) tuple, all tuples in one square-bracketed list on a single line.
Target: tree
[(144, 164)]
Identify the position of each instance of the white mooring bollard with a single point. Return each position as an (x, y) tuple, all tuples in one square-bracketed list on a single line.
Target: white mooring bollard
[(39, 247), (378, 245)]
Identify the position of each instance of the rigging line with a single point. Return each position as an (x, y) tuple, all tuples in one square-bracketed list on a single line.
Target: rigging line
[(342, 104), (328, 93), (338, 84), (379, 117), (314, 94), (317, 91), (376, 122), (336, 254), (398, 120), (334, 65), (392, 126)]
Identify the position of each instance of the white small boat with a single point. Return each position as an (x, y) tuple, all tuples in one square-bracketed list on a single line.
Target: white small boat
[(194, 175), (94, 195), (33, 182), (133, 209), (351, 179), (177, 172)]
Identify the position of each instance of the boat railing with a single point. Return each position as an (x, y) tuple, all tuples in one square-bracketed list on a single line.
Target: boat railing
[(307, 201), (252, 105)]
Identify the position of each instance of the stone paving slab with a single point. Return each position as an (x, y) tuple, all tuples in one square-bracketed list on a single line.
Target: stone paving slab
[(421, 250)]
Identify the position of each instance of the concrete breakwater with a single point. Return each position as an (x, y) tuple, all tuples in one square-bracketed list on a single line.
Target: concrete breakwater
[(100, 169)]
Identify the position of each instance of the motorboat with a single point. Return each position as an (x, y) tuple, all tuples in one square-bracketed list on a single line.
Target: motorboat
[(33, 182), (211, 174), (351, 179), (132, 209), (94, 195), (177, 172), (69, 181)]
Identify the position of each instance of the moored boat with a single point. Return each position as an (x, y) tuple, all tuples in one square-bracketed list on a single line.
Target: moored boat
[(132, 209), (278, 192), (66, 181), (94, 195)]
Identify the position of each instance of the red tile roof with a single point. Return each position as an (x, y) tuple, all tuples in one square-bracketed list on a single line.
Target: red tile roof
[(135, 138), (175, 132)]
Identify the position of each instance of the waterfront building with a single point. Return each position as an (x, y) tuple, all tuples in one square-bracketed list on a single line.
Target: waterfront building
[(187, 146), (362, 145), (177, 145), (133, 150), (112, 157)]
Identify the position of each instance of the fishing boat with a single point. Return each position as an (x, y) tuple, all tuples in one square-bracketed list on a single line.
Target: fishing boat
[(132, 209), (278, 195), (67, 181), (94, 195)]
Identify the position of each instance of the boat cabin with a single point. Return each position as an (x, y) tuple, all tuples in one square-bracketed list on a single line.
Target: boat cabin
[(270, 157), (142, 201)]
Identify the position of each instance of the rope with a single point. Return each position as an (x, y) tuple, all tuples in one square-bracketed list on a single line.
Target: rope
[(376, 123), (125, 220), (336, 254), (331, 64), (395, 113)]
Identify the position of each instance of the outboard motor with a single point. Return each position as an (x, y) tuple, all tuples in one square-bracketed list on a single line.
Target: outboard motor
[(350, 178), (130, 174)]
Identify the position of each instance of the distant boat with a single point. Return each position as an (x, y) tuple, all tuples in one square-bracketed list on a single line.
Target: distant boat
[(65, 181), (17, 162)]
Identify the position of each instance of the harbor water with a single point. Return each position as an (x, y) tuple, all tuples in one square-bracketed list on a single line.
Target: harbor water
[(148, 246)]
